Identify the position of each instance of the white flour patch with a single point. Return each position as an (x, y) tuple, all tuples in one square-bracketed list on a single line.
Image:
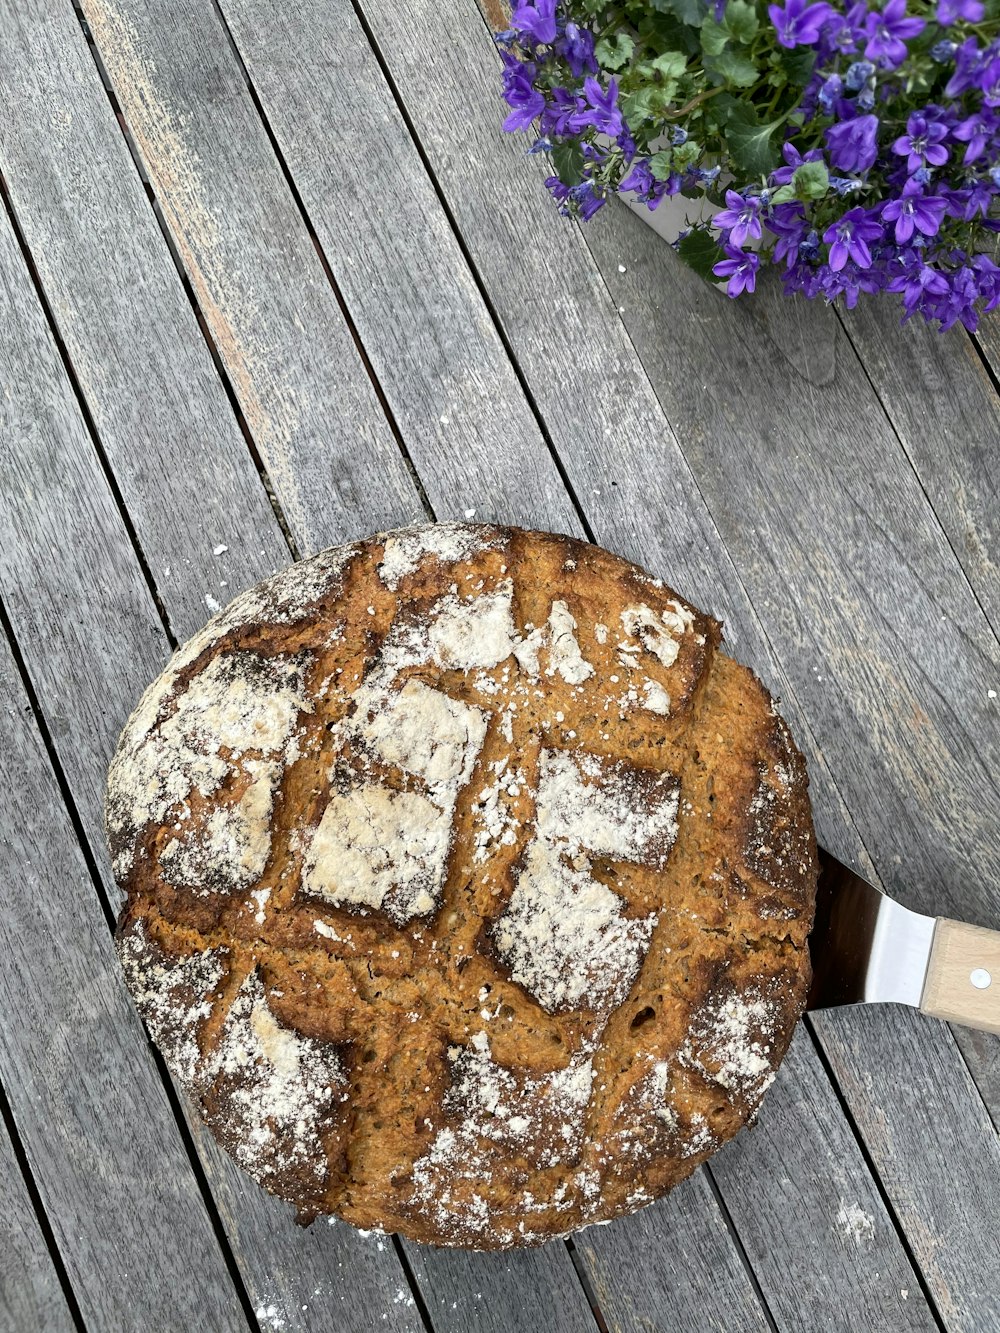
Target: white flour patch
[(380, 849), (451, 543), (563, 934), (658, 634), (854, 1223), (241, 702), (564, 650), (173, 996), (230, 847), (278, 1086), (731, 1043)]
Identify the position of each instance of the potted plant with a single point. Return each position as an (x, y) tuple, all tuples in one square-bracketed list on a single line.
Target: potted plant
[(856, 148)]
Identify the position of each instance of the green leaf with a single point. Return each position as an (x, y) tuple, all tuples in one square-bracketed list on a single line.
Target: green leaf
[(750, 143), (567, 158), (740, 21), (664, 32), (713, 37), (783, 196), (640, 106), (614, 52), (660, 165), (731, 68), (700, 250), (686, 153), (690, 12), (811, 180), (671, 65), (798, 65)]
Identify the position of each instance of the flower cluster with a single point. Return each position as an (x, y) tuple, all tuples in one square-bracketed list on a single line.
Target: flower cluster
[(857, 147)]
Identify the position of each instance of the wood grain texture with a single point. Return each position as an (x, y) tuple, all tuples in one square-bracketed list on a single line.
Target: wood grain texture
[(616, 445), (696, 1281), (31, 1294), (165, 423), (87, 1101), (885, 644), (496, 1293), (301, 384), (963, 976), (425, 328), (91, 606), (938, 1154), (946, 411), (854, 1230)]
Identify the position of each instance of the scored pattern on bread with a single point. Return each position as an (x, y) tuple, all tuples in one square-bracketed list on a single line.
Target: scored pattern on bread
[(467, 882)]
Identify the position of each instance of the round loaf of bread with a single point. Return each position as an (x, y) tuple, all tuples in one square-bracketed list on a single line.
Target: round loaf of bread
[(468, 883)]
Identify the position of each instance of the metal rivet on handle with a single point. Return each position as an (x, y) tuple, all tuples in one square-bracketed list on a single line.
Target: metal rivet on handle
[(980, 978)]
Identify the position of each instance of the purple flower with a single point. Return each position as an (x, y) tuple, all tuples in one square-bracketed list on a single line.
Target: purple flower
[(522, 96), (887, 33), (793, 160), (560, 107), (914, 211), (830, 92), (858, 74), (598, 109), (852, 143), (740, 267), (587, 198), (740, 218), (788, 223), (536, 20), (943, 51), (968, 58), (799, 24), (989, 82), (641, 182), (844, 33), (849, 281), (975, 132), (922, 143), (917, 280), (577, 45), (952, 11), (848, 239)]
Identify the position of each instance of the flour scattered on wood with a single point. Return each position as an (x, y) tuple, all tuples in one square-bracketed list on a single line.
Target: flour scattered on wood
[(854, 1223)]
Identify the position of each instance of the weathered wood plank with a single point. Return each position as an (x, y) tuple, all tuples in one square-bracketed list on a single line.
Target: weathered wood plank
[(495, 1293), (141, 362), (429, 337), (612, 437), (75, 594), (31, 1294), (293, 365), (920, 1121), (851, 1222), (696, 1282), (946, 411), (884, 642), (448, 381), (87, 1101)]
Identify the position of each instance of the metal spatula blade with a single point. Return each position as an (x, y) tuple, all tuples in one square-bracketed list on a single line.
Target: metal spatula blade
[(867, 949)]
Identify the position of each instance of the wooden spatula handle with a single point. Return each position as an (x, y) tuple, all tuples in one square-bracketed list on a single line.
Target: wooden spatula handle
[(963, 976)]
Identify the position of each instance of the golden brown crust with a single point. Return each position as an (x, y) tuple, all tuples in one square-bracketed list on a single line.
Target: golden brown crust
[(468, 883)]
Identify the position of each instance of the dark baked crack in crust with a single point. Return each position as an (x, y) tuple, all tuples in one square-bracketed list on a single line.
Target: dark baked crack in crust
[(468, 883)]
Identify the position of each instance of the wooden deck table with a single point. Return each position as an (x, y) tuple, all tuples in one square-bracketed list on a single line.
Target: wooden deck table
[(271, 278)]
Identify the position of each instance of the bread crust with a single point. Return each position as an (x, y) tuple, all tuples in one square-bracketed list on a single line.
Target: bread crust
[(467, 883)]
